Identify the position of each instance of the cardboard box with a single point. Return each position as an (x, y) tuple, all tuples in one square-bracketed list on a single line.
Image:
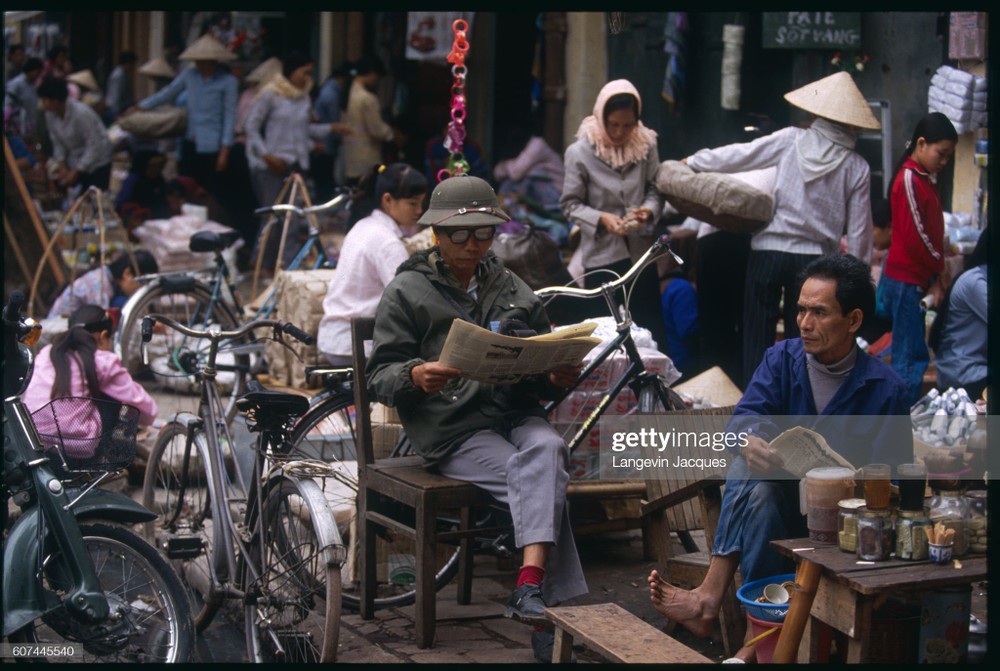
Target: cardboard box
[(967, 35)]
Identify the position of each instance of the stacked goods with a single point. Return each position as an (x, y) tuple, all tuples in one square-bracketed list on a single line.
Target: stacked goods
[(578, 404), (959, 95), (945, 420), (168, 240), (301, 295)]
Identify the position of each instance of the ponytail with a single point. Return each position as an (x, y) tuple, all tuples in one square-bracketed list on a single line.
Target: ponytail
[(78, 343)]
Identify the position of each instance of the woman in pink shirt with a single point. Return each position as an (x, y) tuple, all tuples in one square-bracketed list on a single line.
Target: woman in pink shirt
[(80, 363)]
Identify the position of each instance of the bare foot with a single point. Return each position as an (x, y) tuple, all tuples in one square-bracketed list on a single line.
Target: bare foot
[(692, 609)]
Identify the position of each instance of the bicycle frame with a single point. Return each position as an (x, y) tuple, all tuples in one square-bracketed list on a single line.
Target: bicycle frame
[(227, 538), (635, 375)]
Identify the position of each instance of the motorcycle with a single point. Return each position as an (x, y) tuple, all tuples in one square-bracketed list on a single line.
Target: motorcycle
[(78, 584)]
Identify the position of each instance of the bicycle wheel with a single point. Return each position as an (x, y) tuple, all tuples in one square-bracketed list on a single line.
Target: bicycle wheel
[(173, 358), (182, 501), (293, 608), (150, 622), (326, 432)]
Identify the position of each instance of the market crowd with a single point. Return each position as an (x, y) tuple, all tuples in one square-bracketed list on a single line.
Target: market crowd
[(798, 297)]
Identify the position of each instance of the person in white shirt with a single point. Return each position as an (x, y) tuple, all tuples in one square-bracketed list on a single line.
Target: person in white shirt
[(80, 141), (372, 251), (119, 96)]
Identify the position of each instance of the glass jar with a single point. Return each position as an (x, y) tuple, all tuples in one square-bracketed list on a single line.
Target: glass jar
[(875, 534), (847, 524), (975, 522), (949, 508), (911, 537)]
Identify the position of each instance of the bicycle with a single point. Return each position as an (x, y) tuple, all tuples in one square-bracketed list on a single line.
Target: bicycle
[(76, 582), (326, 431), (206, 299), (265, 537)]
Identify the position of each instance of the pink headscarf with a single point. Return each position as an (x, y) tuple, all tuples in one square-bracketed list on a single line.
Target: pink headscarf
[(592, 128)]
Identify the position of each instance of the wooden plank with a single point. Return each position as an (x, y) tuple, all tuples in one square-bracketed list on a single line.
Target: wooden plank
[(40, 231), (618, 635)]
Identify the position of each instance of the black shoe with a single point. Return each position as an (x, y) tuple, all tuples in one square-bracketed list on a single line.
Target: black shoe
[(526, 604), (542, 643)]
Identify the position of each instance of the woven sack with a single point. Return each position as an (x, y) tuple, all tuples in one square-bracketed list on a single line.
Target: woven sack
[(165, 121), (724, 201)]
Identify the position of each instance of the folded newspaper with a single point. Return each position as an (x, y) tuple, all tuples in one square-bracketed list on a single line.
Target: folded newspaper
[(803, 449), (498, 359)]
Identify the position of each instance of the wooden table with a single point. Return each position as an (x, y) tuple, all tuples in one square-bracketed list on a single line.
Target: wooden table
[(850, 591)]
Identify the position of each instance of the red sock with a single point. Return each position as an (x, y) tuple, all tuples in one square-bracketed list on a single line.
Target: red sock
[(531, 575)]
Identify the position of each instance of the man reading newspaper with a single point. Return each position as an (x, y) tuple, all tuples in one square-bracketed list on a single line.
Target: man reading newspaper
[(495, 436), (821, 380)]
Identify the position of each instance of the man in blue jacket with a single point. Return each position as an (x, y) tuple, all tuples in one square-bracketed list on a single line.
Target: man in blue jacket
[(821, 380)]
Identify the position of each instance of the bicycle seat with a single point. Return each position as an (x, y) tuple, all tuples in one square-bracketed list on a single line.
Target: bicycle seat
[(210, 241), (275, 402)]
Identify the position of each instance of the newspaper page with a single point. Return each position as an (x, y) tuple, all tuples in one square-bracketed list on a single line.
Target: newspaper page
[(497, 359), (802, 449)]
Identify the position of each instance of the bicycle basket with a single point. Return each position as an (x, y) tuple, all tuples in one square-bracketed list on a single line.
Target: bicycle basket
[(88, 434)]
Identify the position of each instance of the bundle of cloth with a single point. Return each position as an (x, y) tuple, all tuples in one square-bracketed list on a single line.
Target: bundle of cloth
[(959, 95)]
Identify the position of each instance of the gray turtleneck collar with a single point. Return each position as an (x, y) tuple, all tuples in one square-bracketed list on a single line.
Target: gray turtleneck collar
[(826, 380)]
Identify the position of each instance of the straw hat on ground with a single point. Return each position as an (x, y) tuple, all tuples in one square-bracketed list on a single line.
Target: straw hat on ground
[(263, 72), (836, 98), (207, 48), (84, 78), (158, 67)]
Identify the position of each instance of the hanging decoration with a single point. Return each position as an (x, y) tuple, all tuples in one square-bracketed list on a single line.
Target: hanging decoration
[(454, 140)]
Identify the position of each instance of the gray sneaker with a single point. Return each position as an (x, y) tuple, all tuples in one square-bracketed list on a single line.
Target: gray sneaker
[(526, 604)]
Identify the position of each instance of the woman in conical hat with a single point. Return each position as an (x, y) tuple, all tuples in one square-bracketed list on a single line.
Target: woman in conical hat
[(211, 120), (821, 192)]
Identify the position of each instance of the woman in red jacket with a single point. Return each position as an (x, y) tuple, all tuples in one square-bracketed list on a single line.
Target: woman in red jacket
[(915, 262)]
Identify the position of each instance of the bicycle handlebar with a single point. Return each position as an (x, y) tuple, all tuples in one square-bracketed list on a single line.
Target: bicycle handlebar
[(303, 211), (661, 245), (216, 335)]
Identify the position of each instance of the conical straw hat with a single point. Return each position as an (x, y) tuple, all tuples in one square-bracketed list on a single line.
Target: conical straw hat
[(207, 48), (263, 72), (837, 98), (158, 67), (84, 78)]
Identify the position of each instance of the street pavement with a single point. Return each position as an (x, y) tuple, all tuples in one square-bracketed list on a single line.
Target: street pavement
[(478, 633)]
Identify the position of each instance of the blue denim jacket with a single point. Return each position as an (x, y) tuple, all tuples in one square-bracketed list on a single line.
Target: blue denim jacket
[(211, 107), (781, 387)]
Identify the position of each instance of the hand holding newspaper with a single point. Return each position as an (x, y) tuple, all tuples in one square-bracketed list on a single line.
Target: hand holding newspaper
[(498, 359), (802, 449)]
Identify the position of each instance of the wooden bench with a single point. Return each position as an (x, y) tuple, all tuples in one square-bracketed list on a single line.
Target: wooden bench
[(617, 635)]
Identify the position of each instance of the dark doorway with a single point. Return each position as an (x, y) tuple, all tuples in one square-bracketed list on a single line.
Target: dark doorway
[(517, 38)]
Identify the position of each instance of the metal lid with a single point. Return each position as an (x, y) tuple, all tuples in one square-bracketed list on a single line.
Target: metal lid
[(912, 513)]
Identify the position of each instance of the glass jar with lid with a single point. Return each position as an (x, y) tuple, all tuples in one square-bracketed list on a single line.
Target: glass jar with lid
[(950, 508), (976, 520), (847, 523), (911, 537), (875, 534)]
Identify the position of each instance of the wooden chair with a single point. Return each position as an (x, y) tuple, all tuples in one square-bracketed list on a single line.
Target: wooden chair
[(684, 501), (384, 484)]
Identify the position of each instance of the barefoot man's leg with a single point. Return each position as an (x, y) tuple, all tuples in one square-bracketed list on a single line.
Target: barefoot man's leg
[(697, 609)]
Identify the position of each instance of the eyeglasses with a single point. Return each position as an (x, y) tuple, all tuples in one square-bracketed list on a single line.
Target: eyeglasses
[(460, 236)]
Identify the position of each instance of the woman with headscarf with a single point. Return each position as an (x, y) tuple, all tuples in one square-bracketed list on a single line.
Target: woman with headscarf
[(822, 191), (610, 193), (280, 136)]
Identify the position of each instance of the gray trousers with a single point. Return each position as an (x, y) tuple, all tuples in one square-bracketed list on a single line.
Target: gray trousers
[(529, 474)]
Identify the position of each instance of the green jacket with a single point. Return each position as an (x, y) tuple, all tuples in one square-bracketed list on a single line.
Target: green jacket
[(411, 324)]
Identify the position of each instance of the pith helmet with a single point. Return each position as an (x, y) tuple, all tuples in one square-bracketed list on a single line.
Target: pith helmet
[(836, 98), (463, 200)]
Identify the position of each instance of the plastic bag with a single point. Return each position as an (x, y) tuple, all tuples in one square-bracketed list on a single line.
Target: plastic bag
[(533, 256)]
